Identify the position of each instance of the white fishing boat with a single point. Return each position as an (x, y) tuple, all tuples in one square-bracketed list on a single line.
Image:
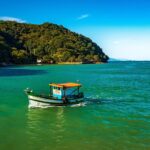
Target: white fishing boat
[(60, 95)]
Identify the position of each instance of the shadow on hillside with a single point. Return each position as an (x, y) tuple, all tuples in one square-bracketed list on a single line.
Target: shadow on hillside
[(19, 72)]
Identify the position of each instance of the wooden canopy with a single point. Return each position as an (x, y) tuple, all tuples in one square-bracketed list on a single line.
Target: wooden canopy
[(65, 85)]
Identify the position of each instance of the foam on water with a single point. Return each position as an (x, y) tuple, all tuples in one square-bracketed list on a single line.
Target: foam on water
[(82, 104)]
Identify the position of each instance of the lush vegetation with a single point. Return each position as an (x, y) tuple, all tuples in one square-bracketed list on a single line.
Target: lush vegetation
[(22, 43)]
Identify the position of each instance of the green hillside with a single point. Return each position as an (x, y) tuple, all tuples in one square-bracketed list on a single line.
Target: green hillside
[(22, 43)]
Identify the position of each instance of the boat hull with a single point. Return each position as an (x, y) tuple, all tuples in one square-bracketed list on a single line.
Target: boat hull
[(37, 101)]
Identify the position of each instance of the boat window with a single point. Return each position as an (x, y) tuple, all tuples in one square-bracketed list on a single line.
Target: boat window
[(57, 88)]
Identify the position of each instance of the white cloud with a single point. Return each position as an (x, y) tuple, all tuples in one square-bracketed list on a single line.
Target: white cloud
[(12, 19), (83, 16)]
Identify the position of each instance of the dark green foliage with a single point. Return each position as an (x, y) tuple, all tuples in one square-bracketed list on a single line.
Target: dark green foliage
[(4, 51), (22, 43)]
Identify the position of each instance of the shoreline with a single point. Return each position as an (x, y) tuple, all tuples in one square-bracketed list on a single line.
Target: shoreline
[(60, 63), (63, 63), (78, 63)]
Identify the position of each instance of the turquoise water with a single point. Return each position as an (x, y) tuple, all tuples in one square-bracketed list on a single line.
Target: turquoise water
[(116, 114)]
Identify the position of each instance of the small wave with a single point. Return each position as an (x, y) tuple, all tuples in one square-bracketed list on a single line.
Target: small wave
[(82, 104), (97, 100), (32, 107)]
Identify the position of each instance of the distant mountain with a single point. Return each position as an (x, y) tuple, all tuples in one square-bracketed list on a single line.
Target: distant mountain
[(22, 43), (115, 59)]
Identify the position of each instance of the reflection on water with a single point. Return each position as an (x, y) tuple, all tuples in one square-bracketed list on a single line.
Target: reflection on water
[(60, 121), (46, 125)]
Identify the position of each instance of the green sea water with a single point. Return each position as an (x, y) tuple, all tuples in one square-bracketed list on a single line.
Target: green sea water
[(114, 116)]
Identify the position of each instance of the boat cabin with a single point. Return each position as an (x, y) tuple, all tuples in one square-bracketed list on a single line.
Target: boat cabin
[(65, 90)]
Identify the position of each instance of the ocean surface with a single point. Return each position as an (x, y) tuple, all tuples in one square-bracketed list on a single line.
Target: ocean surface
[(114, 116)]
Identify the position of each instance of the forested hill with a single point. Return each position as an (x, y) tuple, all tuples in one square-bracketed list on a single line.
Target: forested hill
[(22, 43)]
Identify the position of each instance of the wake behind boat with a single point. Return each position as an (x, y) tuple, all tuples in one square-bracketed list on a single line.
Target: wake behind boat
[(61, 94)]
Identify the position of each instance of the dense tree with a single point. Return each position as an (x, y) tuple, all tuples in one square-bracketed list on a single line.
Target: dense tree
[(24, 43), (4, 51)]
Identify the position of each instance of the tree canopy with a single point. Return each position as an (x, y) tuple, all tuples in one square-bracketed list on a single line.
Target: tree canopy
[(22, 43)]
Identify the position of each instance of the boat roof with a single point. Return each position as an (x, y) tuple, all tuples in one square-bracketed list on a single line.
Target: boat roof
[(65, 85)]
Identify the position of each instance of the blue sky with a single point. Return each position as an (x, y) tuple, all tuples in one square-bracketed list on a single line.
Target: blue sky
[(120, 27)]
